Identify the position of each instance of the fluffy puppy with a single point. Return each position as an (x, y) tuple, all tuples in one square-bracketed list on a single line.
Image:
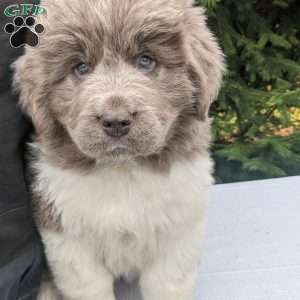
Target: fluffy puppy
[(119, 92)]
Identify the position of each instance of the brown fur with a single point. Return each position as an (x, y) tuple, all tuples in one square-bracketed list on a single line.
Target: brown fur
[(45, 214), (171, 104)]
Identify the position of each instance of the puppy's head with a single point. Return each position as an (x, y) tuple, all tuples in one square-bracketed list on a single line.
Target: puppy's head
[(120, 79)]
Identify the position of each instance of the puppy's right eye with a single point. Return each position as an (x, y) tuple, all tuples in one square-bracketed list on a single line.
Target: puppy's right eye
[(81, 70)]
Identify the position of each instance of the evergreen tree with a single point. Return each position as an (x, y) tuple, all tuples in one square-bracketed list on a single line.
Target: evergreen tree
[(257, 115)]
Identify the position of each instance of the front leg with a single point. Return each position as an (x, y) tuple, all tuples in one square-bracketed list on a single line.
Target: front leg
[(173, 275), (77, 274)]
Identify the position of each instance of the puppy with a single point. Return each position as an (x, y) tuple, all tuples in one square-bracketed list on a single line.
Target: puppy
[(119, 92)]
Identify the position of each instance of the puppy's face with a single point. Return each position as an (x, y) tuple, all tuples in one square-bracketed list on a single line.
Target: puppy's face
[(123, 88), (115, 78)]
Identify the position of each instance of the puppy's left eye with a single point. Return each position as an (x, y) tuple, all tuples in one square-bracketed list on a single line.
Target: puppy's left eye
[(81, 70), (145, 62)]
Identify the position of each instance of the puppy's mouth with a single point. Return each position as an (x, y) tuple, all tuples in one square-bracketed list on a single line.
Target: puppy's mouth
[(118, 150), (117, 154)]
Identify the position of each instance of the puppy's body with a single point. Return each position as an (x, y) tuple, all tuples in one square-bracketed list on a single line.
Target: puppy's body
[(126, 221), (121, 166)]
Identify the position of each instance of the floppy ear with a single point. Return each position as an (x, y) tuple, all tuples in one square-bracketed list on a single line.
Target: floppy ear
[(205, 61), (29, 83)]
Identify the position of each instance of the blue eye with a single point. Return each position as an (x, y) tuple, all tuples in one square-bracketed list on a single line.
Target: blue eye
[(146, 62), (81, 69)]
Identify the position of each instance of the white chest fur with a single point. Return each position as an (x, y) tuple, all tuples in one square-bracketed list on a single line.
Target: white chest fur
[(124, 214)]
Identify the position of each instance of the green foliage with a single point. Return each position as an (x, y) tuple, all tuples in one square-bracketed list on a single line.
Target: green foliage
[(256, 121)]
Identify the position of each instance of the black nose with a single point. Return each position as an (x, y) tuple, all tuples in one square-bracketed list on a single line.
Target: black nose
[(116, 127)]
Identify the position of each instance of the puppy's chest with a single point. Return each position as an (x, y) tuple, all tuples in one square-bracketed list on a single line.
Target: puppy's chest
[(125, 214)]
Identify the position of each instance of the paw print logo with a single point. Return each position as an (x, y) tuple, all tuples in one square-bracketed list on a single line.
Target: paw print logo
[(24, 31)]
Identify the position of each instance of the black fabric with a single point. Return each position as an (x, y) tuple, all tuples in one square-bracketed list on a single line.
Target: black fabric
[(21, 258)]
